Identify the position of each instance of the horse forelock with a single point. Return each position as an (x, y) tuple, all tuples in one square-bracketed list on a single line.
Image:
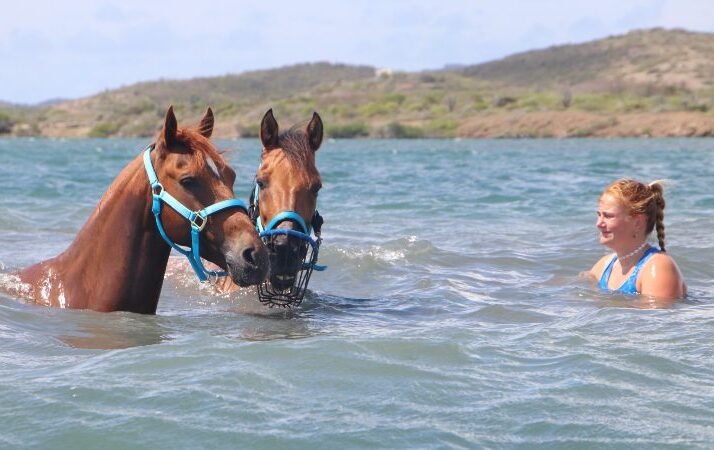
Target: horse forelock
[(295, 145), (204, 152)]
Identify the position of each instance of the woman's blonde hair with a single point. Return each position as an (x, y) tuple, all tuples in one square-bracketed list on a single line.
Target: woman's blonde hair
[(640, 198)]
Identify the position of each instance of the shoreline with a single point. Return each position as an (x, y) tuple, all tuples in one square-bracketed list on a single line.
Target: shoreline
[(499, 125)]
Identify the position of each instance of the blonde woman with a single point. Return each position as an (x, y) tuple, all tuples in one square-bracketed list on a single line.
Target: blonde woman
[(627, 214)]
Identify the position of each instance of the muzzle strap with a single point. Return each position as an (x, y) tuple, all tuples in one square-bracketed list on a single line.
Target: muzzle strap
[(270, 231)]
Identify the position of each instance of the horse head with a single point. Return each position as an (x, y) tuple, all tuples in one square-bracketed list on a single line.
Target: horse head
[(287, 185), (192, 171)]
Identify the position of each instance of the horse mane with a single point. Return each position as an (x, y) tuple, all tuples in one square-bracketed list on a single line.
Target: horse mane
[(294, 144)]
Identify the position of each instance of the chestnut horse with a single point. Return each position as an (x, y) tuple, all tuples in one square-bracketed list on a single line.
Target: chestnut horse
[(118, 259), (284, 207)]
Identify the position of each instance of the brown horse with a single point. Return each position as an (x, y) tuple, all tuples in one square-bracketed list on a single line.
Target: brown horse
[(287, 185), (118, 259)]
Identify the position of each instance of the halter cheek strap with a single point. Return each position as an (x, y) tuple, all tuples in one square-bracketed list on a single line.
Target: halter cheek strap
[(197, 219)]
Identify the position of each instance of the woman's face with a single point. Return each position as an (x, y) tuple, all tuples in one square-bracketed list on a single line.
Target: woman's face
[(616, 226)]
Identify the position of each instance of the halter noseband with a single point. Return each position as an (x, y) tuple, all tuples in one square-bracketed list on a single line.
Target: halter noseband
[(197, 219), (294, 295)]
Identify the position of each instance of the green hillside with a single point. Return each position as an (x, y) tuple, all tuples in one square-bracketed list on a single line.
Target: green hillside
[(652, 82)]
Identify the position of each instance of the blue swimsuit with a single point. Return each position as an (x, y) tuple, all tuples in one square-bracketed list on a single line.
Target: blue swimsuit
[(629, 286)]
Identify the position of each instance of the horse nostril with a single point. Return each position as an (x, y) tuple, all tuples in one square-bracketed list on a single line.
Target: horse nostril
[(249, 255), (248, 264)]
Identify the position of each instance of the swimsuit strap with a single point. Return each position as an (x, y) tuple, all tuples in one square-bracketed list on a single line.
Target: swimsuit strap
[(630, 285), (635, 273), (605, 277)]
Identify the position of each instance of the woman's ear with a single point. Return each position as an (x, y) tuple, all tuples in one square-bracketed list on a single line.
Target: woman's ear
[(640, 222)]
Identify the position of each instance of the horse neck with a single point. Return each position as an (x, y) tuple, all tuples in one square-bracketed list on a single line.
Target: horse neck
[(119, 253)]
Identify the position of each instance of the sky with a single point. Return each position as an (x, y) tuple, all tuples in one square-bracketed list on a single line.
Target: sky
[(76, 48)]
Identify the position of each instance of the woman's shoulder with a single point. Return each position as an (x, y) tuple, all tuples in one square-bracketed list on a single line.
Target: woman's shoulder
[(660, 277), (662, 260), (659, 257)]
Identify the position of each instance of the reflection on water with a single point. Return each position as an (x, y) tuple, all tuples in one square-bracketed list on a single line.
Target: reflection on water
[(81, 328), (125, 331), (185, 305), (268, 330)]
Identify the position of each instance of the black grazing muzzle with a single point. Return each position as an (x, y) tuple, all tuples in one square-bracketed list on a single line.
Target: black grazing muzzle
[(293, 254)]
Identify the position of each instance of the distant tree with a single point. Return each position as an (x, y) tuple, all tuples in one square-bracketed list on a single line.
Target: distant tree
[(400, 131), (248, 131), (566, 99), (502, 101), (451, 103), (6, 123), (346, 131), (104, 129)]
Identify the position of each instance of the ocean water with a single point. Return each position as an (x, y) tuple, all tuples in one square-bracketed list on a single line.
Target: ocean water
[(451, 314)]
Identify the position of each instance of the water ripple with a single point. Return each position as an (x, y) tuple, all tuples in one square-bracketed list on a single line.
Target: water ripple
[(451, 314)]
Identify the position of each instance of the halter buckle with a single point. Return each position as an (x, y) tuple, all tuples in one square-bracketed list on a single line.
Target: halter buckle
[(157, 189), (198, 226)]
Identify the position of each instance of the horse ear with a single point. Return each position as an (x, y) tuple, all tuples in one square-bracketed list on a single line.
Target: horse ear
[(170, 126), (205, 127), (314, 132), (269, 130)]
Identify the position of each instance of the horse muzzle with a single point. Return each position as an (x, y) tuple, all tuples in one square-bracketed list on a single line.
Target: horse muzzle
[(293, 257), (248, 265), (287, 254)]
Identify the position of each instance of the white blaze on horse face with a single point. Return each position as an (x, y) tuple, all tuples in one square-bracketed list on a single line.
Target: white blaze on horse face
[(214, 168)]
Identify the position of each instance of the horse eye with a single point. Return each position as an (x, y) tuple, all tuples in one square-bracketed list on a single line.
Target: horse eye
[(315, 189), (188, 182), (260, 183)]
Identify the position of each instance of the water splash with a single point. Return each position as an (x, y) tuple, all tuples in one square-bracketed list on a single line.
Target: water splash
[(13, 286)]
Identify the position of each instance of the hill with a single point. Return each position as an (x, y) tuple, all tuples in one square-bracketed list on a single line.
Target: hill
[(650, 82), (656, 58)]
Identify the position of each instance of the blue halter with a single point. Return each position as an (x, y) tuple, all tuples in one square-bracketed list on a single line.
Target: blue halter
[(270, 230), (197, 219)]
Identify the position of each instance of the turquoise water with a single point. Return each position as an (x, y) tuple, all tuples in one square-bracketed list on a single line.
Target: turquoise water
[(451, 315)]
